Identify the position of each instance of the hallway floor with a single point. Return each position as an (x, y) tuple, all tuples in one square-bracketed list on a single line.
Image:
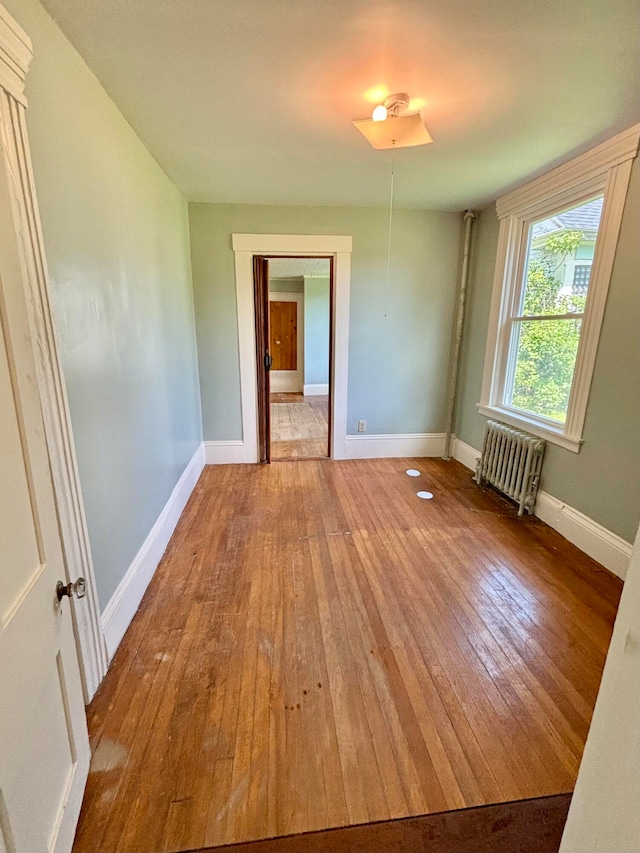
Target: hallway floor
[(320, 648), (299, 426)]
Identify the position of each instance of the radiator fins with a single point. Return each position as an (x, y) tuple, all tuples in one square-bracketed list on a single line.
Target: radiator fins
[(511, 461)]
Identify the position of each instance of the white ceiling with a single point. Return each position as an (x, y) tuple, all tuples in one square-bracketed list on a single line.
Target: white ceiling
[(252, 100), (297, 267)]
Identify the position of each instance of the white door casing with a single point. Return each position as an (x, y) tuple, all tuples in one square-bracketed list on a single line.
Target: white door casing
[(287, 381), (44, 746), (245, 246)]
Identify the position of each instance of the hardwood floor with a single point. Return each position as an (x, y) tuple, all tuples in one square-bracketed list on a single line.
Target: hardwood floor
[(526, 826), (299, 426), (320, 648)]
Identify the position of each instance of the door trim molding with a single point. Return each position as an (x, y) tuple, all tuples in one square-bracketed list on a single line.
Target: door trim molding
[(15, 56), (245, 246)]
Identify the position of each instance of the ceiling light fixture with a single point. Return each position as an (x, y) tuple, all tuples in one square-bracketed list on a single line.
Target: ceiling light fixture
[(391, 127)]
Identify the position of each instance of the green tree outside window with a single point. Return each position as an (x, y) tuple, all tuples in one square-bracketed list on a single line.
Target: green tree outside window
[(547, 348)]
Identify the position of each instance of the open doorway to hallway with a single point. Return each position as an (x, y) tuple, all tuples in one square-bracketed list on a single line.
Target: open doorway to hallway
[(299, 346), (299, 426)]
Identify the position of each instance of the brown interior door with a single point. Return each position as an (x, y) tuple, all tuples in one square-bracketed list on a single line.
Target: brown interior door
[(263, 356), (283, 324)]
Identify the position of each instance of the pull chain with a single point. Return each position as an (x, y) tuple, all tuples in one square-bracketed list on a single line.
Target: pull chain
[(386, 291)]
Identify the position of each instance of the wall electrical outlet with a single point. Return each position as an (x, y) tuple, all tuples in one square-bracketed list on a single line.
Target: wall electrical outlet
[(362, 426)]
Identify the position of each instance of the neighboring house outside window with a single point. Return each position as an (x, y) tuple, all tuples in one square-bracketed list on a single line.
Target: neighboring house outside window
[(558, 236), (575, 266)]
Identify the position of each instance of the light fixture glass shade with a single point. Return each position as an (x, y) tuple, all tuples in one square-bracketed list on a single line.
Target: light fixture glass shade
[(404, 131), (379, 113)]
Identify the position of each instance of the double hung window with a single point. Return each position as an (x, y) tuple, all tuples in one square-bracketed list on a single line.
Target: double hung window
[(557, 242)]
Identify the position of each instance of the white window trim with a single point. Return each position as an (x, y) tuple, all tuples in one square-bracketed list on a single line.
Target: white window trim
[(604, 169)]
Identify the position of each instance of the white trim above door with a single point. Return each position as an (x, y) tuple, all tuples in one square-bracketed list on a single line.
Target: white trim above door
[(245, 246)]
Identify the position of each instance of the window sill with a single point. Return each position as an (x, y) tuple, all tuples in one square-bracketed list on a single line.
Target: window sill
[(572, 443)]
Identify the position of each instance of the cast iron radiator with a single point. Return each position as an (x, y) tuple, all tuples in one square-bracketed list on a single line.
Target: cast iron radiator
[(511, 461)]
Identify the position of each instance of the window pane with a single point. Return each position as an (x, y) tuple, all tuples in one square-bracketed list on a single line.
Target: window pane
[(544, 366), (581, 276), (554, 284)]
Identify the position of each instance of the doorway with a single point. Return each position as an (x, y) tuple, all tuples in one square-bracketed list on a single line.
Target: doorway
[(246, 248), (294, 328)]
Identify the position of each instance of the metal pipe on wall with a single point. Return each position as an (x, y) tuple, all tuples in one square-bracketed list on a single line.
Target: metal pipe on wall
[(469, 217)]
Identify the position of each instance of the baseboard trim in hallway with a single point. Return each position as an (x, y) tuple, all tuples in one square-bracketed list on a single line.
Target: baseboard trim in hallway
[(125, 601), (230, 452), (522, 826)]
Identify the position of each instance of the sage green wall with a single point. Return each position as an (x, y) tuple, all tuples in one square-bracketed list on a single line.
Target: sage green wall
[(316, 331), (602, 480), (399, 340), (286, 285), (117, 242)]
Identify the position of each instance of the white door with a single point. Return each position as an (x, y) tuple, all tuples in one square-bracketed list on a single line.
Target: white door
[(44, 747)]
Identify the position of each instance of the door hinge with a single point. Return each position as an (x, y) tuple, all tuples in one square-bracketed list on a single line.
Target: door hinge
[(268, 361)]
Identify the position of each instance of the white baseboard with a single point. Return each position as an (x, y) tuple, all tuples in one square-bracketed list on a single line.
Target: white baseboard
[(464, 453), (607, 548), (315, 390), (592, 538), (389, 446), (126, 599), (224, 452)]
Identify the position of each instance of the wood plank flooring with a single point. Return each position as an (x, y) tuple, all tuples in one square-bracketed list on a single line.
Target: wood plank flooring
[(299, 426), (320, 648), (526, 826)]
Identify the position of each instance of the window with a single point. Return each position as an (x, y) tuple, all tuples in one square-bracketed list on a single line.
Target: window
[(581, 276), (558, 236), (546, 321)]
